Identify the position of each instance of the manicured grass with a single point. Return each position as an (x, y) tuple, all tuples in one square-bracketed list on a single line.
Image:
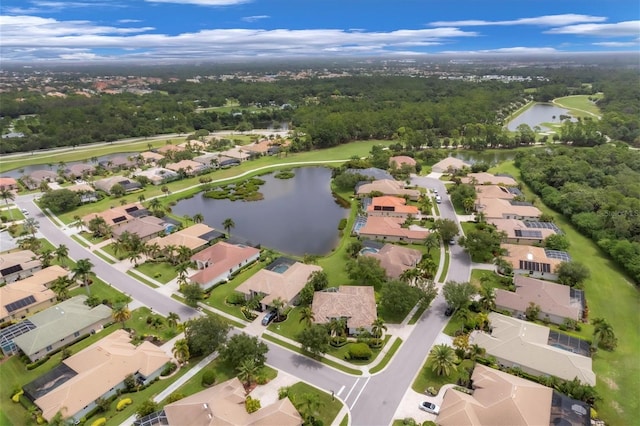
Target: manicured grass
[(138, 322), (219, 294), (577, 104), (454, 324), (291, 327), (417, 314), (110, 250), (468, 227), (323, 360), (104, 257), (427, 378), (142, 280), (12, 214), (159, 271), (79, 241), (328, 407), (445, 267), (101, 290), (344, 350), (387, 357), (479, 275), (345, 421), (89, 237), (611, 295)]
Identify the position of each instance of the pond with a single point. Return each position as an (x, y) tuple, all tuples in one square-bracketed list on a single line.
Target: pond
[(297, 216), (539, 113), (492, 156), (15, 173)]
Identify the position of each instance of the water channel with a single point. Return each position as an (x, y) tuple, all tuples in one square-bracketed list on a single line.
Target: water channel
[(297, 216)]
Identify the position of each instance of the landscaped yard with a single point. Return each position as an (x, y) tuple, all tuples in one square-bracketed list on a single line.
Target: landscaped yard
[(159, 271), (611, 295), (11, 214), (140, 323), (328, 407), (101, 290), (427, 378)]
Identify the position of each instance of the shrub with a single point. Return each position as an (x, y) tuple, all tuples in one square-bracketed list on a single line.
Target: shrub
[(123, 403), (360, 351), (262, 380), (208, 378), (251, 405), (169, 368), (283, 392), (235, 298), (16, 398), (99, 422), (176, 396), (342, 224), (37, 363), (432, 391)]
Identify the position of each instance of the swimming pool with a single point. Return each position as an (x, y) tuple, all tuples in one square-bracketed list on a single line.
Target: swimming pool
[(280, 268), (369, 250)]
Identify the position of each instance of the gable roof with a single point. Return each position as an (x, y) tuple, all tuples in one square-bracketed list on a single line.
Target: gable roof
[(100, 367), (115, 214), (494, 191), (554, 299), (400, 160), (17, 261), (391, 227), (275, 285), (517, 253), (516, 228), (387, 187), (396, 259), (29, 291), (185, 165), (223, 256), (498, 208), (498, 399), (399, 205), (454, 162), (7, 181), (151, 156), (526, 344), (223, 404), (188, 237), (169, 148), (356, 303), (484, 178), (59, 321), (143, 227)]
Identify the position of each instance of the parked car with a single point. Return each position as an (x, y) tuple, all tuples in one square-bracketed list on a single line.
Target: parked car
[(438, 199), (452, 241), (429, 407), (449, 311), (25, 211), (435, 191), (270, 316)]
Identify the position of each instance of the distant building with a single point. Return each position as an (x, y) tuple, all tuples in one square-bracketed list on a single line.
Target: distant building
[(371, 173), (390, 229), (496, 208), (398, 161), (387, 187), (107, 184), (524, 232), (8, 183), (33, 180), (158, 175), (489, 179), (449, 164), (388, 206)]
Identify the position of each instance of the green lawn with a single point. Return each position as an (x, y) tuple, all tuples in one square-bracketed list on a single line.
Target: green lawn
[(101, 290), (579, 103), (109, 250), (142, 280), (427, 378), (445, 267), (159, 271), (468, 227), (218, 296), (89, 237), (104, 257), (290, 327), (611, 295), (11, 214), (138, 322), (328, 407), (387, 357)]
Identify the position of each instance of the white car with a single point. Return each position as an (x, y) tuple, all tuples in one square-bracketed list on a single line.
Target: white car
[(438, 199), (25, 212), (429, 407)]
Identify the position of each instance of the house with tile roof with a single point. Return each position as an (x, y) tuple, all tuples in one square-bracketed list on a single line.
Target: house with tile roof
[(496, 191), (158, 175), (216, 264), (189, 167), (391, 229), (497, 208), (387, 187), (8, 182), (16, 265), (536, 262), (396, 259), (355, 304), (108, 183), (30, 295), (400, 160), (521, 232), (388, 206), (193, 237), (448, 165), (34, 179), (484, 178)]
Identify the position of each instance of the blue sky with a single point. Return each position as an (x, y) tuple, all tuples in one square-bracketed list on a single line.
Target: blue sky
[(195, 30)]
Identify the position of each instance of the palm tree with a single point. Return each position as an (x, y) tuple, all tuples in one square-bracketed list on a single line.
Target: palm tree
[(184, 254), (603, 334), (173, 319), (155, 204), (62, 252), (228, 224), (247, 371), (198, 218), (82, 270), (30, 225), (337, 326), (378, 328), (181, 351), (152, 250), (306, 316), (442, 359), (170, 253), (119, 245), (481, 216), (428, 268), (468, 204), (476, 351), (487, 296), (310, 406), (6, 194), (278, 305), (409, 275), (121, 313), (141, 198), (134, 257), (431, 242), (61, 288)]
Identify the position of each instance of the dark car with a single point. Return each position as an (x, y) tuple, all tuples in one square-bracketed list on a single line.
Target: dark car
[(270, 316), (449, 311)]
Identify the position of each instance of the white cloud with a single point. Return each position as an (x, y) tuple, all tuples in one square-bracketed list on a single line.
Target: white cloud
[(52, 5), (618, 43), (129, 21), (619, 29), (45, 31), (255, 18), (547, 20), (203, 2), (506, 50)]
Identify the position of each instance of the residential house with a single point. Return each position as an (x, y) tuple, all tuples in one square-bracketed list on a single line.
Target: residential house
[(498, 399), (108, 183), (537, 262), (263, 147), (189, 167), (273, 284), (169, 150), (372, 173), (224, 404), (523, 344), (85, 191), (388, 206), (387, 187), (390, 229), (496, 191), (17, 265), (237, 153), (497, 208), (151, 157), (96, 372), (400, 160), (194, 145), (118, 162), (79, 170), (489, 179), (396, 259), (158, 175), (8, 183), (61, 325), (33, 180), (448, 165), (194, 237), (226, 161), (556, 301), (210, 159), (30, 295), (217, 263), (118, 214), (521, 232), (356, 304), (146, 227)]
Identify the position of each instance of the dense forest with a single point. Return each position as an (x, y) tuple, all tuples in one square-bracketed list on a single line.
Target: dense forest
[(327, 111), (598, 189)]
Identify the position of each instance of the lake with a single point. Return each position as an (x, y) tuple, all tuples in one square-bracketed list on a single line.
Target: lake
[(15, 173), (297, 216), (492, 156), (536, 115)]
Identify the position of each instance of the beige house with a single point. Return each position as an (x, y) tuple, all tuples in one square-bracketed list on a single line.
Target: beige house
[(390, 229), (117, 214), (99, 371), (236, 153), (523, 344), (274, 285), (400, 160), (108, 183), (217, 263), (556, 301), (357, 304), (223, 404), (497, 208), (8, 183), (517, 231), (533, 261), (494, 191), (194, 237), (169, 149), (17, 265), (61, 325), (30, 295), (146, 227), (396, 259), (190, 167), (389, 206), (489, 179), (33, 180), (151, 157), (158, 175), (448, 165), (387, 187), (498, 399)]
